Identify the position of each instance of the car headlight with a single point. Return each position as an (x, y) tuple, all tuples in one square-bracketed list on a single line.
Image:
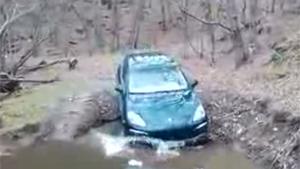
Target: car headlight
[(135, 119), (199, 113)]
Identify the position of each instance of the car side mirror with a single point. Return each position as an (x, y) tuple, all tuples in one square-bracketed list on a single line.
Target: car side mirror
[(119, 89), (194, 83)]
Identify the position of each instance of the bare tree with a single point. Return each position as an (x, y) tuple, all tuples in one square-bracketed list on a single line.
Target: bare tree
[(211, 23), (137, 21), (8, 76), (9, 17), (237, 37)]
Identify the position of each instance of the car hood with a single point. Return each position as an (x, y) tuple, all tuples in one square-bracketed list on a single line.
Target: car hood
[(162, 112)]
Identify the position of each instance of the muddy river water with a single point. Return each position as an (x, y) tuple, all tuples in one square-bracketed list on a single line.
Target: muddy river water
[(105, 148)]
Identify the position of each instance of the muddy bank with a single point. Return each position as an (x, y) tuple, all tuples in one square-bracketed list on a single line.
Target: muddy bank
[(78, 116), (268, 135), (70, 118)]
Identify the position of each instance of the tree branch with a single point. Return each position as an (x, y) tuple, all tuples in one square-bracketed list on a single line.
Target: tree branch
[(26, 56), (13, 18), (204, 21)]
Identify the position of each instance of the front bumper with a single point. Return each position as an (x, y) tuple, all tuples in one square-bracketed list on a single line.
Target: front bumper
[(184, 133)]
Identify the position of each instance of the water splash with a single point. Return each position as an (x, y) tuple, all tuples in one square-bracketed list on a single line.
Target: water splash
[(125, 146), (135, 163), (112, 145)]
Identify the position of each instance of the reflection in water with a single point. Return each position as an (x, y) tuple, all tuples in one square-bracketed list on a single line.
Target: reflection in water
[(58, 155), (98, 150)]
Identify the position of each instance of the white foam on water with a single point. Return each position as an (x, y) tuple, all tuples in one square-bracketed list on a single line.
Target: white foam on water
[(120, 146), (166, 149), (135, 163), (112, 145)]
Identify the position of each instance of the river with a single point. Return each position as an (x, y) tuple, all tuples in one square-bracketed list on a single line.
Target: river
[(106, 148)]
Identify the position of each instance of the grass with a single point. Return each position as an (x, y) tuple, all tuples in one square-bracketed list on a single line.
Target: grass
[(30, 105)]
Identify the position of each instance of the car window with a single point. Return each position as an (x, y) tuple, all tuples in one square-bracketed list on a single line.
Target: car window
[(149, 80)]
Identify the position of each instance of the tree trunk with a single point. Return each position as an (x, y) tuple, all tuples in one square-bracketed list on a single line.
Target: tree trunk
[(186, 27), (237, 38), (243, 15), (2, 54), (163, 14), (2, 41), (242, 51), (137, 20), (98, 34), (211, 30), (201, 46), (116, 20), (273, 6), (253, 12), (282, 4), (169, 13)]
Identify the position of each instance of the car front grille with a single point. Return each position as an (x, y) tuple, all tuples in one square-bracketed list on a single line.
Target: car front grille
[(179, 133)]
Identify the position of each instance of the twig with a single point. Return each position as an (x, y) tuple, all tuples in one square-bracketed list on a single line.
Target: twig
[(205, 21), (281, 152)]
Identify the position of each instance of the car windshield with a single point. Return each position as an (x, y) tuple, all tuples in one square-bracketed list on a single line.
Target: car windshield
[(156, 79)]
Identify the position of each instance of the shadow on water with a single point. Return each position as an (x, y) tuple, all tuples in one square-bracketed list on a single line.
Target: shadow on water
[(105, 148)]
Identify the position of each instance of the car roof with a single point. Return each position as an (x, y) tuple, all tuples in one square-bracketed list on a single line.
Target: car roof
[(149, 59)]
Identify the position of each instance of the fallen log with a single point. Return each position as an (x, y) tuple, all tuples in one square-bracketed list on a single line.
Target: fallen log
[(29, 80), (6, 85), (10, 84), (83, 114), (43, 64)]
